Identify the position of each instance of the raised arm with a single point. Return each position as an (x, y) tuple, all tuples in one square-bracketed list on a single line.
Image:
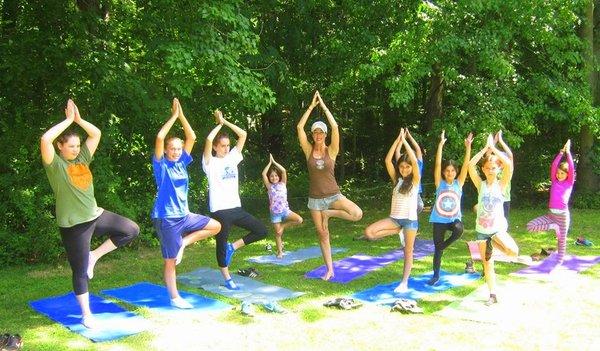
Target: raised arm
[(190, 136), (207, 154), (302, 138), (265, 172), (389, 158), (415, 146), (437, 172), (281, 168), (507, 166), (473, 165), (159, 143), (413, 160), (334, 146), (92, 131), (464, 170), (47, 140), (504, 146), (571, 172), (241, 134)]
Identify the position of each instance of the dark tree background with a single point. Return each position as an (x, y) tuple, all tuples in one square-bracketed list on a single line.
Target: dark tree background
[(528, 68)]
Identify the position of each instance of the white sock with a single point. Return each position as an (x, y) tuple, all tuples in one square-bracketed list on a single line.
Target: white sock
[(179, 302)]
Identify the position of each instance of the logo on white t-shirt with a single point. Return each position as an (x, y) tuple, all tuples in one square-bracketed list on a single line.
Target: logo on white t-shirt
[(229, 173)]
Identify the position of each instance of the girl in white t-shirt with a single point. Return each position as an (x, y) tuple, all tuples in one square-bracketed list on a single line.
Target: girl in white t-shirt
[(275, 179), (220, 165)]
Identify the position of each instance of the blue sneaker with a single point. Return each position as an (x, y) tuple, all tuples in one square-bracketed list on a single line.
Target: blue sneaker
[(229, 253), (229, 284)]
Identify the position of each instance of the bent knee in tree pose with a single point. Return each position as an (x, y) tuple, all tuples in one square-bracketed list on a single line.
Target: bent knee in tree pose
[(562, 177), (405, 179), (491, 225), (446, 213), (220, 163), (77, 213), (175, 225), (275, 180), (325, 199)]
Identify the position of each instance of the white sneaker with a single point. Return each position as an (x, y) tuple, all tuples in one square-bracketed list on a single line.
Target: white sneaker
[(180, 302)]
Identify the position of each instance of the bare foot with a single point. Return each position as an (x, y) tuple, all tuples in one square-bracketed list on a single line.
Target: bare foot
[(279, 254), (401, 288), (327, 276), (89, 322), (91, 264), (179, 255)]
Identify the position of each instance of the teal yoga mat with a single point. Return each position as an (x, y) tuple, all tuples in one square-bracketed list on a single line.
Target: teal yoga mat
[(156, 298), (250, 290), (291, 257)]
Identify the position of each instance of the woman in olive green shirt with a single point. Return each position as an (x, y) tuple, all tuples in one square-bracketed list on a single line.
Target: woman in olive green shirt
[(78, 216)]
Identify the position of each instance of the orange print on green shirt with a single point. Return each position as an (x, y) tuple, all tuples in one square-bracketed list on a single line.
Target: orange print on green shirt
[(80, 175)]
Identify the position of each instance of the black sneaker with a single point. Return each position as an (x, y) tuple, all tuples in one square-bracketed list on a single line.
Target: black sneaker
[(469, 267)]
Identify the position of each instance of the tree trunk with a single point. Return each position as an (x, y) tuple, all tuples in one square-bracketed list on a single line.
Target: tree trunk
[(433, 107), (587, 180)]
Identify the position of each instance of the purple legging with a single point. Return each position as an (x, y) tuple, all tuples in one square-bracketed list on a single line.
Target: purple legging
[(559, 222)]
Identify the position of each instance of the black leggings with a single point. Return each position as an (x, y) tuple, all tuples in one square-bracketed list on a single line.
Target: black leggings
[(439, 229), (76, 240), (236, 216)]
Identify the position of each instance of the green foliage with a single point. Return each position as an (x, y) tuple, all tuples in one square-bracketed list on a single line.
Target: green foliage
[(498, 64)]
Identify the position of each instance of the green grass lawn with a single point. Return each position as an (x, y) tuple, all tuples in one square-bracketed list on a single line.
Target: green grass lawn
[(309, 325)]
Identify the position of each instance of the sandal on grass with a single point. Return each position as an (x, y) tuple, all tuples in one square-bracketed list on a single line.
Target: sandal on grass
[(581, 241), (406, 306), (274, 307), (247, 309), (547, 251), (343, 303), (11, 342)]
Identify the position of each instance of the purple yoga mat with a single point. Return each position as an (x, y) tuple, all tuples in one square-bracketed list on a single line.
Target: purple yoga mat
[(356, 266), (572, 263)]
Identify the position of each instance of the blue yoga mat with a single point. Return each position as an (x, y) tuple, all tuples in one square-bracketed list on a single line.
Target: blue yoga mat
[(385, 295), (291, 257), (156, 298), (250, 290), (350, 268), (114, 322)]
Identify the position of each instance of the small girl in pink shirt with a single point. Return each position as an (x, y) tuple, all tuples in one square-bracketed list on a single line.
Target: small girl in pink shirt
[(275, 179), (562, 176)]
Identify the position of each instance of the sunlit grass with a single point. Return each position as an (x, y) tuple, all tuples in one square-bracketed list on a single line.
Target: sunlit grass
[(304, 326)]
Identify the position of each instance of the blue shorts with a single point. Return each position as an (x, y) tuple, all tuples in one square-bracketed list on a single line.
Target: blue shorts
[(324, 203), (481, 236), (171, 231), (279, 217), (406, 223)]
